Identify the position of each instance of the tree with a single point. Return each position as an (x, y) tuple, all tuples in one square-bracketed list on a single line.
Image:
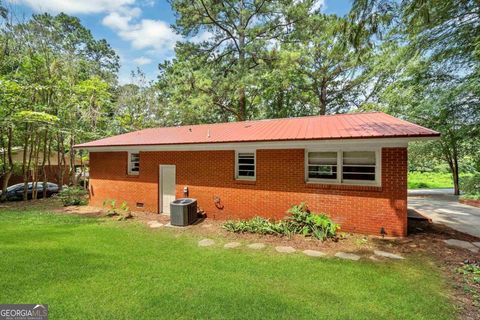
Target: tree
[(238, 34), (54, 61), (330, 66), (137, 105), (10, 101), (437, 74)]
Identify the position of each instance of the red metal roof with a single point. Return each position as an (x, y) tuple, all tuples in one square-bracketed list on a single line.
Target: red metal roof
[(342, 126)]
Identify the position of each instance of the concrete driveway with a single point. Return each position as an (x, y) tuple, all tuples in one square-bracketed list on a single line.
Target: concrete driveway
[(441, 206)]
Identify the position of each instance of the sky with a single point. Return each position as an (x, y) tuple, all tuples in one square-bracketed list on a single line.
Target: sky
[(139, 30)]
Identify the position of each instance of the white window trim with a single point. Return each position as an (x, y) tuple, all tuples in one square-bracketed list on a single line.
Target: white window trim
[(254, 163), (129, 164), (339, 181)]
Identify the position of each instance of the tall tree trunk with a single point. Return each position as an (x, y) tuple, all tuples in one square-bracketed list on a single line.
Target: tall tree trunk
[(323, 98), (25, 167), (451, 155), (44, 160), (242, 98), (242, 104), (60, 160), (455, 171), (73, 177), (9, 171), (36, 154)]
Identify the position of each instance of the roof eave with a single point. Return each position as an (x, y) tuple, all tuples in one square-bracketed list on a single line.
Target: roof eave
[(432, 136)]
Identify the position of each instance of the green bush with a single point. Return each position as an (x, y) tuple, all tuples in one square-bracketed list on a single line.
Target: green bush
[(73, 196), (301, 221), (470, 185), (307, 223)]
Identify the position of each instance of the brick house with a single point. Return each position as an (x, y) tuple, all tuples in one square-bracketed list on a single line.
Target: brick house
[(352, 167)]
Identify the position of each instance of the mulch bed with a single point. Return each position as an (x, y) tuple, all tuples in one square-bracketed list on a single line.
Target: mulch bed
[(470, 202)]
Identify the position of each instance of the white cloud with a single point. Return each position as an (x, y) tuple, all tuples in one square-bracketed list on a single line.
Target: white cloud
[(203, 36), (116, 21), (318, 5), (144, 34), (75, 6), (142, 61)]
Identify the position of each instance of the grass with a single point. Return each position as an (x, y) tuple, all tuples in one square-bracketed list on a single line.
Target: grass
[(89, 268), (429, 180)]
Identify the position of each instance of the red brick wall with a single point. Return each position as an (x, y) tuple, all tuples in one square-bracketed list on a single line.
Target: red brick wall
[(279, 185)]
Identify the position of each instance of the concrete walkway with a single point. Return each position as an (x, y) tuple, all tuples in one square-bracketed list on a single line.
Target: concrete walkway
[(441, 206)]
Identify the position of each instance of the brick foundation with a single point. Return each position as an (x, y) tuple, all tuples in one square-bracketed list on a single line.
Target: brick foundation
[(279, 184)]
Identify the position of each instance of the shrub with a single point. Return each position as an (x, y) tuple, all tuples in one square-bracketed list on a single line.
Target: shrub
[(112, 210), (307, 223), (471, 184), (73, 196), (302, 221)]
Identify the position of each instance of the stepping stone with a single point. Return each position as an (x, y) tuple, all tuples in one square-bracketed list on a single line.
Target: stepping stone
[(232, 245), (283, 249), (256, 246), (387, 254), (476, 244), (461, 244), (206, 243), (313, 253), (169, 225), (155, 224), (347, 256)]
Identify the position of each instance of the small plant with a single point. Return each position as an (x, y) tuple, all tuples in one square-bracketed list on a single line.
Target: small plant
[(473, 196), (112, 210), (73, 196), (471, 270), (302, 221)]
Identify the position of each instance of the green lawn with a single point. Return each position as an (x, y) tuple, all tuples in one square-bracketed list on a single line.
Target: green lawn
[(88, 268), (429, 180)]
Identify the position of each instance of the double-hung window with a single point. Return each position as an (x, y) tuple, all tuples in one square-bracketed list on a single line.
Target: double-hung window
[(343, 167), (133, 163), (245, 165)]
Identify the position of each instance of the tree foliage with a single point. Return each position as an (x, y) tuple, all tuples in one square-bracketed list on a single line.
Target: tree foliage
[(240, 60)]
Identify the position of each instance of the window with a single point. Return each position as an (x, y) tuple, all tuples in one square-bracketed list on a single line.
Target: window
[(133, 163), (347, 167), (322, 165), (245, 165), (359, 165)]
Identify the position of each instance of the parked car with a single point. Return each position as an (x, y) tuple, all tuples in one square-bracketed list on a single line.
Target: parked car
[(15, 192)]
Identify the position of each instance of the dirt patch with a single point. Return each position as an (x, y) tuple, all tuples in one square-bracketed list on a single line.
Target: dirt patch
[(470, 202)]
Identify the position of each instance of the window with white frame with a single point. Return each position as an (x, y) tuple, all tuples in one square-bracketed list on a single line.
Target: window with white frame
[(322, 165), (348, 167), (358, 165), (133, 163), (245, 165)]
